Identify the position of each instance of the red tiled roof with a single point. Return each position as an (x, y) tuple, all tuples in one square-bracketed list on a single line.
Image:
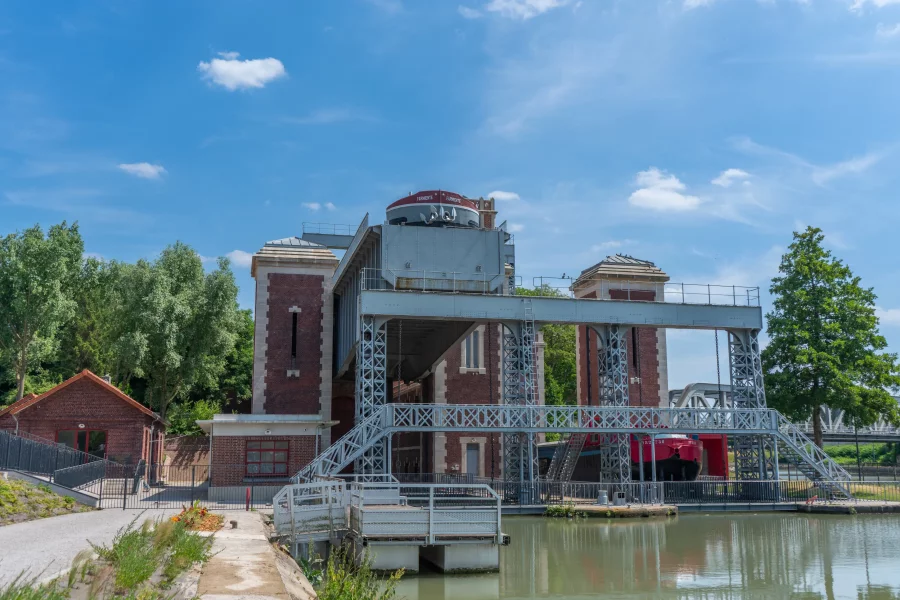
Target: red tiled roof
[(32, 399)]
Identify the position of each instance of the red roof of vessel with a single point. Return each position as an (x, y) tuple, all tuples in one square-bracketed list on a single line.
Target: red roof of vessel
[(435, 197)]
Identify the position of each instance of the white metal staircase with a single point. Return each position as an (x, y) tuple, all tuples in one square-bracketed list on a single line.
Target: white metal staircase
[(347, 449), (811, 460), (565, 458)]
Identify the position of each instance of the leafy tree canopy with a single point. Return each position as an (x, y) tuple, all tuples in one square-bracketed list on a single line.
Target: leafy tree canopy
[(36, 273), (559, 355), (825, 348)]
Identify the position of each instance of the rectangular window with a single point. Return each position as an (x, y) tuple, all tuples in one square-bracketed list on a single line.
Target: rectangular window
[(87, 441), (293, 340), (473, 351), (267, 458)]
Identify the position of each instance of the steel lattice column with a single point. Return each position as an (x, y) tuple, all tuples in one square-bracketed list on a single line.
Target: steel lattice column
[(371, 386), (519, 449), (753, 455), (612, 360)]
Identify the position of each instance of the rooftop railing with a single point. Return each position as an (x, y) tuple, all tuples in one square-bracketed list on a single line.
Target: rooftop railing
[(460, 282)]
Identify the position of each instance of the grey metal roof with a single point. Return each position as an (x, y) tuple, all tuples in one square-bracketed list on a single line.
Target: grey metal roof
[(295, 242), (622, 266)]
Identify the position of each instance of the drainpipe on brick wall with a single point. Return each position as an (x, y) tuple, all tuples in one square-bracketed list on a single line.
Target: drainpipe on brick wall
[(210, 473), (16, 419)]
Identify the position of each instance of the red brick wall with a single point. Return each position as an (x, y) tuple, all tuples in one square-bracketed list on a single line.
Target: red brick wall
[(474, 388), (229, 457), (87, 403), (645, 393), (294, 395), (193, 450)]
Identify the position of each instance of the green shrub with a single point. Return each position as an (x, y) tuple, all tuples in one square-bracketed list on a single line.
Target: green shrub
[(564, 511), (137, 552), (343, 580)]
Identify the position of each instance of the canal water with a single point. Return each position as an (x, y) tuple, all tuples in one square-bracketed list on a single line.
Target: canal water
[(708, 556)]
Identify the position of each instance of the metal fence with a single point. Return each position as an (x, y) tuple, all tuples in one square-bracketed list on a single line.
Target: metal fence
[(44, 458), (219, 486)]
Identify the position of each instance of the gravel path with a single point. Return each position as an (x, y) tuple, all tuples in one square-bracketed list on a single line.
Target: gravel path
[(44, 547)]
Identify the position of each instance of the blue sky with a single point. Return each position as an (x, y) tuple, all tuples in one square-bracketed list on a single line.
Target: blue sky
[(695, 133)]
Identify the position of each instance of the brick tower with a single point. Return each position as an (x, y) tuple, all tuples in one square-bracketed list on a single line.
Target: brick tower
[(621, 277)]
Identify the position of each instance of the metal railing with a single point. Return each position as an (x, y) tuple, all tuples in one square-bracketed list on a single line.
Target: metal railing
[(432, 513), (644, 291), (426, 280), (328, 228), (422, 280), (32, 454)]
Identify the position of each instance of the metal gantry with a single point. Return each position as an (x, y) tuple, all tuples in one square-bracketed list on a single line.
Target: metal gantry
[(612, 360), (371, 387), (754, 457), (519, 449)]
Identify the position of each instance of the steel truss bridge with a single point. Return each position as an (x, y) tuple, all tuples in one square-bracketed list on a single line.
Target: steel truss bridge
[(834, 428), (392, 321), (611, 421)]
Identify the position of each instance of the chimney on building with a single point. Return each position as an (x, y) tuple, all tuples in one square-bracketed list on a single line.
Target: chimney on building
[(487, 213), (107, 378)]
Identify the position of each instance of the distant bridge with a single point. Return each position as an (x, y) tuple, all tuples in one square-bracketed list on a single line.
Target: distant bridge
[(835, 430)]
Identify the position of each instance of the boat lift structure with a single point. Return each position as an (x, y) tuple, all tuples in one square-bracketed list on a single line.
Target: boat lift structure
[(405, 294)]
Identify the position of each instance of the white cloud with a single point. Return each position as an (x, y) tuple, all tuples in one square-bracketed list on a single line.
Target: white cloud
[(859, 5), (729, 176), (327, 116), (330, 206), (468, 13), (502, 196), (888, 316), (515, 227), (854, 166), (313, 206), (522, 9), (239, 258), (691, 4), (888, 30), (661, 192), (234, 74), (143, 170)]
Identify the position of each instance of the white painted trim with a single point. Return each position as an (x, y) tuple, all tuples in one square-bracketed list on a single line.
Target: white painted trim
[(463, 355), (662, 357), (440, 397), (465, 441)]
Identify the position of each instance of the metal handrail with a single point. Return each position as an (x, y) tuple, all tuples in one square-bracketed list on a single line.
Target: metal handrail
[(446, 281)]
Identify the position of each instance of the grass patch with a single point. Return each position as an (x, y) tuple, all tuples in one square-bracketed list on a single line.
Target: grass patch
[(28, 589), (21, 501), (869, 454)]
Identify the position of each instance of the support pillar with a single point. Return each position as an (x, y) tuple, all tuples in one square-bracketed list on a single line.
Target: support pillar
[(520, 464), (754, 456), (371, 388), (612, 360)]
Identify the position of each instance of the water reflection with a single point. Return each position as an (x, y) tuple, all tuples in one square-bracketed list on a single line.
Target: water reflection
[(710, 557)]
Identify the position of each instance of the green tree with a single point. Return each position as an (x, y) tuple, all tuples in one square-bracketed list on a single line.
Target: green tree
[(178, 324), (183, 416), (232, 391), (35, 286), (825, 348), (87, 340), (559, 355)]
